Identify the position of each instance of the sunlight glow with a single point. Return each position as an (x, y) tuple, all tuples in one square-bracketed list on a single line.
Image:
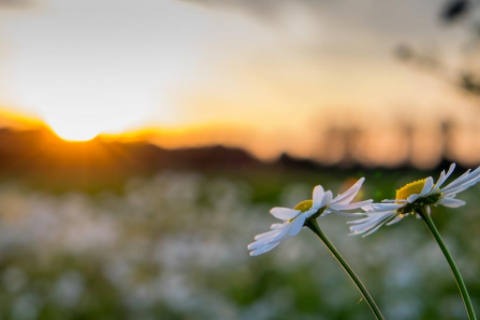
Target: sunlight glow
[(81, 123), (73, 130)]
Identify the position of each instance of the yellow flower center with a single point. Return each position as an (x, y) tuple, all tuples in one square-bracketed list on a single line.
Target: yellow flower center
[(304, 205), (411, 188)]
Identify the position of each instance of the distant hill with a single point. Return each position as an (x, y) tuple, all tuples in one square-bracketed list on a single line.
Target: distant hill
[(39, 155), (42, 151)]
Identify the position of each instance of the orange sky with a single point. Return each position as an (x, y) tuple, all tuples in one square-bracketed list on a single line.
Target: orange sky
[(269, 77)]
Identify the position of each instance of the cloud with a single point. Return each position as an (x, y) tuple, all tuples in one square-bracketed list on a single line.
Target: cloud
[(388, 18), (15, 4), (259, 7), (265, 10)]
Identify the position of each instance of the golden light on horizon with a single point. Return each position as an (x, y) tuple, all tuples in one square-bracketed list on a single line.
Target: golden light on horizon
[(80, 123), (77, 127), (74, 131)]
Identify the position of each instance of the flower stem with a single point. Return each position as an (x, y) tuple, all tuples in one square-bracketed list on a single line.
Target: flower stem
[(456, 273), (313, 225)]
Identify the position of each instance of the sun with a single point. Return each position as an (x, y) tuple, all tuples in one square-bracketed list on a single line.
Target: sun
[(73, 128), (86, 123), (74, 132), (80, 113)]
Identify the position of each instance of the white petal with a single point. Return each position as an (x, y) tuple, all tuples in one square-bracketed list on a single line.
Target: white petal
[(397, 219), (351, 206), (264, 249), (350, 194), (444, 177), (440, 180), (342, 213), (310, 212), (255, 245), (450, 170), (317, 197), (284, 213), (386, 220), (463, 179), (267, 248), (276, 225), (363, 230), (360, 228), (279, 236), (265, 234), (368, 207), (427, 187), (375, 221), (451, 202), (268, 234), (475, 173), (364, 226), (297, 225), (264, 241), (327, 199), (393, 201), (412, 198), (387, 206), (373, 230), (457, 189), (362, 220), (327, 211)]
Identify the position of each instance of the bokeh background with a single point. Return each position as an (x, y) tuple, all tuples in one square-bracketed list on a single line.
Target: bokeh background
[(143, 143)]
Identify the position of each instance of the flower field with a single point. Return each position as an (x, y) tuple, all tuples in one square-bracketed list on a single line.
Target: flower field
[(174, 246)]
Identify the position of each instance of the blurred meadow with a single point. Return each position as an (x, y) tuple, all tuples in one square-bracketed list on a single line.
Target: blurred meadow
[(173, 246), (142, 146)]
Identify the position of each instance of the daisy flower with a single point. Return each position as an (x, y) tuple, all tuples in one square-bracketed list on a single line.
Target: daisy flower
[(305, 214), (415, 196), (294, 219)]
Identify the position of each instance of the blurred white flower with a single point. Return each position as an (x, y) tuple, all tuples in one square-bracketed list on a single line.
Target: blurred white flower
[(294, 219), (416, 195), (69, 288)]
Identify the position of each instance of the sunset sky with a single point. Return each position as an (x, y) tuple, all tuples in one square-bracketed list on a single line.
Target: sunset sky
[(268, 75)]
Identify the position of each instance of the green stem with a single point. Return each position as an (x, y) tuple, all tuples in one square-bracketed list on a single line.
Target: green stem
[(313, 225), (456, 273)]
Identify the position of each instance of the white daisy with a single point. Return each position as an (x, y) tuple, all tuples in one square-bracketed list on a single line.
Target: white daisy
[(418, 195), (294, 219)]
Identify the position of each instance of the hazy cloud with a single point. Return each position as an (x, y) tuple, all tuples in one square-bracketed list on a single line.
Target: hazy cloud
[(406, 17), (259, 7), (15, 4)]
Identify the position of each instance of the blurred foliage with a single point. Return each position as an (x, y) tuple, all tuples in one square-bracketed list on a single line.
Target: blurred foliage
[(456, 10), (173, 246)]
